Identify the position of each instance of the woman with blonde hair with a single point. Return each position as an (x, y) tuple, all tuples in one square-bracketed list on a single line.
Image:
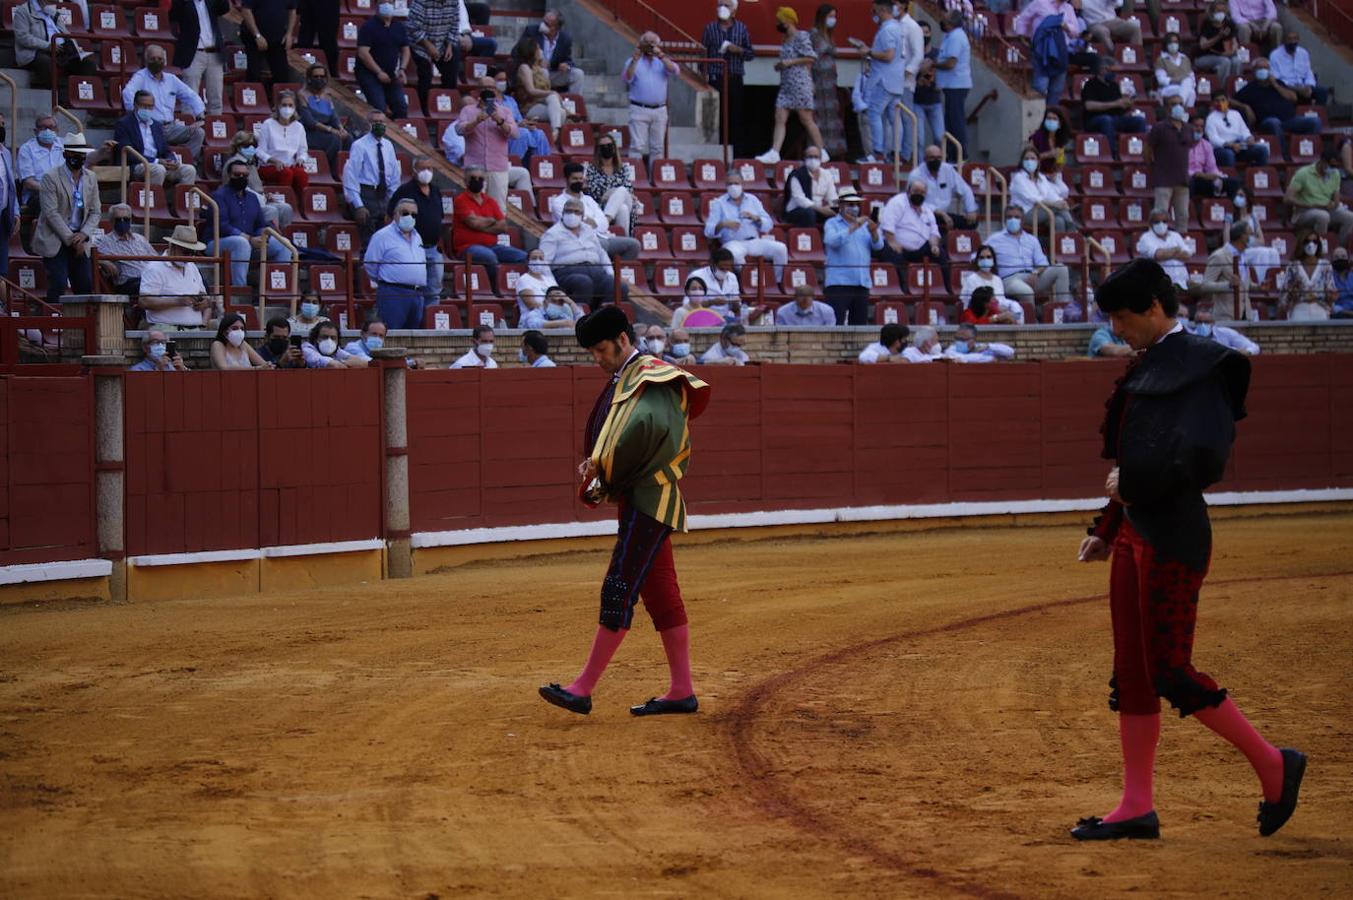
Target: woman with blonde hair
[(282, 147), (797, 58)]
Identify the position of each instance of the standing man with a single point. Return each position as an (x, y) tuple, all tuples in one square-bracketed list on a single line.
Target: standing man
[(954, 76), (268, 32), (439, 31), (168, 91), (636, 447), (1167, 153), (556, 45), (848, 239), (913, 45), (428, 224), (1169, 430), (370, 177), (887, 79), (646, 74), (68, 200), (382, 58), (200, 50), (728, 39), (396, 261), (487, 126)]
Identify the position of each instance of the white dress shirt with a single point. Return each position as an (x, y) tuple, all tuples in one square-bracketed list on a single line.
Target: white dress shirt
[(563, 247), (169, 279), (875, 352), (1226, 129), (204, 30), (590, 209), (1148, 245), (1027, 190), (282, 144), (718, 285), (472, 360)]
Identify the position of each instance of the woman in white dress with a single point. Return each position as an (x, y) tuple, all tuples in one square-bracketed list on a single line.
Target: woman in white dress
[(1307, 284), (1030, 186)]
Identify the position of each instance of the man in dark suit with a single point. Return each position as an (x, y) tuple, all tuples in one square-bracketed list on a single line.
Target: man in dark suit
[(139, 130), (199, 52), (557, 46)]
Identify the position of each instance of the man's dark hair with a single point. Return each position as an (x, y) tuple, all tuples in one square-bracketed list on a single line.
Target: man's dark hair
[(136, 98), (366, 326), (1238, 231), (721, 255), (277, 322), (731, 330), (572, 168), (239, 162), (1134, 287), (892, 333), (691, 281), (479, 330), (537, 342), (319, 327)]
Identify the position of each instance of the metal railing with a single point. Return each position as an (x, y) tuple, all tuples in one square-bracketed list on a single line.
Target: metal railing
[(60, 112), (1093, 246), (1052, 228), (947, 140), (898, 110)]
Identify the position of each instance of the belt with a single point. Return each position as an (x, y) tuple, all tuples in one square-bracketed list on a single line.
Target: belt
[(648, 105), (206, 49), (396, 284)]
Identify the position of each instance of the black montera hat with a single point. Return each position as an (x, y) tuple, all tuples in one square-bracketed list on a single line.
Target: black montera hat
[(606, 324)]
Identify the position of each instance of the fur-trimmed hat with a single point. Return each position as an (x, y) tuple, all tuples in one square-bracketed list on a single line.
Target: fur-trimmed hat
[(606, 324)]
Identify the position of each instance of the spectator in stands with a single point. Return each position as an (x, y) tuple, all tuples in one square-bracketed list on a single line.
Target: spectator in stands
[(382, 58), (397, 263), (1052, 138), (122, 240), (887, 84), (646, 74), (795, 66), (199, 52), (9, 202), (848, 239), (1343, 285), (372, 338), (984, 309), (809, 192), (537, 279), (307, 314), (267, 32), (1167, 153), (321, 350), (487, 126), (317, 26), (244, 148), (434, 33), (1107, 110), (718, 281), (1230, 137), (923, 347), (805, 311), (531, 84), (727, 351), (530, 140), (1291, 67), (608, 182), (983, 274), (1045, 198), (914, 42), (1313, 197), (579, 260), (910, 232), (1174, 72), (277, 347), (282, 148), (156, 356), (556, 46), (228, 349), (1205, 179), (652, 340), (1257, 255), (140, 131), (826, 93), (1104, 344), (1104, 26), (967, 349), (1049, 75), (576, 180), (37, 156), (1218, 46), (953, 76), (559, 309), (324, 131), (477, 220), (1271, 106), (370, 177), (739, 221), (68, 219), (535, 351), (1226, 280), (929, 102), (480, 354), (168, 92), (1200, 323), (1166, 246), (728, 37), (35, 24), (172, 292), (242, 225), (888, 348), (428, 197), (679, 353), (1024, 268), (532, 313), (1308, 284), (1257, 21)]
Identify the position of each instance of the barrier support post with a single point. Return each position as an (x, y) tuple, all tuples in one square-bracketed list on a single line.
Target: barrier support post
[(110, 485), (394, 373)]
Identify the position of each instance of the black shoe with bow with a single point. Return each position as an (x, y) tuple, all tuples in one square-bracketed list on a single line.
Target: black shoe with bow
[(553, 693), (1094, 828), (1273, 816), (656, 707)]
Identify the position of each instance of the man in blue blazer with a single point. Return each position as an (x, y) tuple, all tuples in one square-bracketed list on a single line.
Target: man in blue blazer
[(557, 46), (139, 130)]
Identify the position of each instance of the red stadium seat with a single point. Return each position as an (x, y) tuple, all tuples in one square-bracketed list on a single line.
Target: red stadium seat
[(805, 245), (303, 235), (340, 239), (632, 274), (480, 285), (249, 98), (1134, 212), (677, 209), (753, 174), (669, 279), (153, 23), (507, 279), (1115, 243), (1303, 148), (87, 93), (108, 21), (443, 102), (523, 201), (1070, 248), (689, 243), (1131, 59), (1132, 148), (877, 178), (1093, 148), (1137, 181), (670, 175), (1098, 212), (652, 242), (892, 312), (923, 280), (883, 281), (1262, 181), (797, 275), (443, 316), (1097, 181), (708, 175), (575, 139), (547, 171), (348, 26), (931, 312), (963, 245), (645, 210), (1212, 213)]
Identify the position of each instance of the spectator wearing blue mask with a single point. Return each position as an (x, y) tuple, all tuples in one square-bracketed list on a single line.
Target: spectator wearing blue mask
[(373, 338), (1343, 285), (535, 350), (1272, 106), (307, 314), (1023, 266), (1200, 323), (157, 355), (678, 352)]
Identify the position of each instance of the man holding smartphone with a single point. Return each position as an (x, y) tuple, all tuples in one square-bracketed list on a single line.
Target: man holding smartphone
[(172, 293), (280, 347), (161, 355)]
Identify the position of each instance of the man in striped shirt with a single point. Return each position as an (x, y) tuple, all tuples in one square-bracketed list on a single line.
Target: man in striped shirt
[(728, 38)]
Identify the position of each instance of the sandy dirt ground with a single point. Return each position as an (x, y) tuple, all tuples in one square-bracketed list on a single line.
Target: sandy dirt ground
[(882, 716)]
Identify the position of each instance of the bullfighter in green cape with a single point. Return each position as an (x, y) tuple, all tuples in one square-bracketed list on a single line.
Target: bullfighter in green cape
[(636, 448)]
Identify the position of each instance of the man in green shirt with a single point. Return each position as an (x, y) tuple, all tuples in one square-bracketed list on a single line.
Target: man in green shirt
[(1313, 195)]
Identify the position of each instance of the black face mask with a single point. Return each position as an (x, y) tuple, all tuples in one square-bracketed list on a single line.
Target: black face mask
[(607, 150), (155, 67), (277, 345), (780, 27), (933, 165), (239, 182), (1291, 48), (2, 134), (74, 163), (475, 185), (1340, 265), (575, 187), (916, 199), (122, 226), (317, 84)]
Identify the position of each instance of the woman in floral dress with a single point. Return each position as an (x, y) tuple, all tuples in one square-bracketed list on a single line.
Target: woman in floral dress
[(797, 58)]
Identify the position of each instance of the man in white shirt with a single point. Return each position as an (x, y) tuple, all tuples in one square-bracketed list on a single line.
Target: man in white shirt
[(370, 177), (727, 350), (593, 216), (911, 233), (1102, 21), (913, 43), (578, 258), (888, 348), (1291, 66), (1200, 323), (535, 350), (924, 346), (739, 221), (721, 282), (967, 349), (1230, 137), (1166, 246), (810, 192), (480, 354), (199, 51), (172, 293), (944, 186)]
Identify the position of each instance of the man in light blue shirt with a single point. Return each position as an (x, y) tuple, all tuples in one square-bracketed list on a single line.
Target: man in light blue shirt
[(373, 338), (1290, 64), (38, 156), (396, 262), (371, 176), (805, 312), (727, 350), (535, 349), (887, 77), (739, 221), (169, 91), (1022, 264), (953, 75), (646, 74), (849, 239), (156, 356)]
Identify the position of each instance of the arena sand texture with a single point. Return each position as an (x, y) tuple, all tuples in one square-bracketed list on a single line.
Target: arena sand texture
[(917, 714)]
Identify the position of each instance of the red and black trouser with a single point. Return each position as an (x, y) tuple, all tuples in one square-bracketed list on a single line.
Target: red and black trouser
[(641, 566)]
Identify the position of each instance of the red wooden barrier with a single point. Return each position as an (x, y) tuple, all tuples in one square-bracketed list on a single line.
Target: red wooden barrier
[(46, 469)]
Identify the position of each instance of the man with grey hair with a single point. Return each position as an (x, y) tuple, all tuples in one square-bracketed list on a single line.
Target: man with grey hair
[(428, 198), (124, 275), (156, 355), (396, 261), (578, 258), (1226, 280), (727, 350), (169, 91), (925, 346), (967, 349), (646, 74)]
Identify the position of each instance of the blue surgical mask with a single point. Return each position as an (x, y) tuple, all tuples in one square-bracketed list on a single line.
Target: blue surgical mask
[(374, 342), (248, 152), (1013, 225), (681, 350), (1051, 124), (156, 350), (521, 356), (1031, 166), (145, 116), (1261, 74), (1203, 330), (385, 9), (46, 137), (960, 346), (406, 223), (309, 310)]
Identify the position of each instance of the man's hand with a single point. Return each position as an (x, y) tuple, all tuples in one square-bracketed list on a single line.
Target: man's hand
[(750, 215), (935, 246), (1111, 485), (261, 41), (201, 303), (466, 43), (170, 164), (399, 75), (361, 215), (1093, 549), (294, 356), (382, 77)]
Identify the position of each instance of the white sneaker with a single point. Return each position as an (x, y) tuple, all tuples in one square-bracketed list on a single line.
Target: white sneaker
[(769, 158)]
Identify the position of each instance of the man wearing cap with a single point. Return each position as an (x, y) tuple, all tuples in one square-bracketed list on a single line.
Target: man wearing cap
[(68, 219), (636, 447), (172, 292)]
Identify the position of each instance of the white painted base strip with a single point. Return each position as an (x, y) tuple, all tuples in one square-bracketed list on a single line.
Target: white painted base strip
[(468, 536), (286, 550), (316, 549), (32, 573)]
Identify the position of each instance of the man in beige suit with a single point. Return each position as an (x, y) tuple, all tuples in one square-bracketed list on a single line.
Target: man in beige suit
[(68, 218), (1226, 271)]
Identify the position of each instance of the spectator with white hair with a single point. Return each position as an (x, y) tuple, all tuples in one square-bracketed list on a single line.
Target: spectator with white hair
[(537, 278), (593, 215), (578, 258), (740, 223), (1200, 323), (156, 356), (967, 349), (646, 74), (924, 346)]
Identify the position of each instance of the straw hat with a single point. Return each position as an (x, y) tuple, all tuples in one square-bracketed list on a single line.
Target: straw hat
[(75, 142), (185, 236)]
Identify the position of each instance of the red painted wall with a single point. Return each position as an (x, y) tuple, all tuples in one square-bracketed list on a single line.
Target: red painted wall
[(46, 469)]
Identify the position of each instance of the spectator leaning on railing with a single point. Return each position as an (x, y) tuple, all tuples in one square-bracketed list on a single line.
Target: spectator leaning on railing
[(888, 348), (321, 350), (727, 350), (967, 349), (229, 350), (156, 356), (1200, 323), (480, 354), (277, 347), (124, 275)]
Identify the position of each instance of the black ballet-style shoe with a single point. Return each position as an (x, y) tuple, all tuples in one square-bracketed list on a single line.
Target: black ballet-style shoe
[(656, 707), (1273, 816), (553, 693), (1094, 828)]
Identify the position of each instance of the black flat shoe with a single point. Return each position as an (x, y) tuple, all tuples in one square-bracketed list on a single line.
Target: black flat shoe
[(1273, 816), (1145, 827), (553, 693), (656, 707)]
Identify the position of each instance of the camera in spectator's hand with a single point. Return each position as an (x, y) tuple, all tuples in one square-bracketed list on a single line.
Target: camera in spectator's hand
[(487, 98)]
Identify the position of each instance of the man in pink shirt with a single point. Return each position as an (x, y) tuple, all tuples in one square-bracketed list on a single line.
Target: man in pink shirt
[(1026, 23), (1257, 20), (487, 125), (1205, 179)]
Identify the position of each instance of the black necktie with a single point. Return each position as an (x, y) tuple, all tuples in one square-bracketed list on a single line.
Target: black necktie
[(380, 164)]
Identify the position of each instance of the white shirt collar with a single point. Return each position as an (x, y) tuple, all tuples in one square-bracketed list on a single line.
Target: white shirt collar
[(1178, 327)]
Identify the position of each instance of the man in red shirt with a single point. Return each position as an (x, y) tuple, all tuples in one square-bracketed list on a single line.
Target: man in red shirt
[(478, 220)]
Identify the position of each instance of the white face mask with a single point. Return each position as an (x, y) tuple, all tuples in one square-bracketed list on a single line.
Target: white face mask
[(813, 163), (539, 266), (655, 345), (407, 223), (735, 191), (1312, 249), (484, 350), (235, 336), (572, 220), (695, 299), (425, 176), (725, 14), (327, 346), (831, 21), (1160, 228), (286, 112)]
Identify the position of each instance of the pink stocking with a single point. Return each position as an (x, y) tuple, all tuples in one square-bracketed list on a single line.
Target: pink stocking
[(1228, 721), (677, 643), (1139, 735), (604, 646)]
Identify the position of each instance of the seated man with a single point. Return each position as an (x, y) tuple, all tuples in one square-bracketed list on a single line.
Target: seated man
[(535, 350), (1104, 344), (480, 354), (739, 222), (1023, 266), (578, 259), (1291, 66), (924, 348), (242, 225), (277, 347), (810, 192), (1230, 137), (552, 310), (805, 312), (372, 338), (139, 130), (35, 24), (1343, 285), (727, 350), (172, 292), (124, 275), (967, 349), (477, 221), (652, 340), (1166, 246), (370, 177), (1205, 179), (888, 348), (1272, 106), (168, 92), (1107, 111), (945, 188), (718, 281), (320, 350), (1200, 323), (593, 216), (1313, 195), (156, 355), (911, 233), (678, 353)]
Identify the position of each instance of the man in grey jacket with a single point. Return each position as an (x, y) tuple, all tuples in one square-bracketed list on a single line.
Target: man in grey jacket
[(35, 24), (68, 218)]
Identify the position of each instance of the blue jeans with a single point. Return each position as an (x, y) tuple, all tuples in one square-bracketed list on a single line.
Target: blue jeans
[(399, 307), (1294, 125), (432, 291), (956, 116), (490, 257), (1254, 154), (1050, 84), (933, 119), (386, 98), (241, 251), (880, 113)]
